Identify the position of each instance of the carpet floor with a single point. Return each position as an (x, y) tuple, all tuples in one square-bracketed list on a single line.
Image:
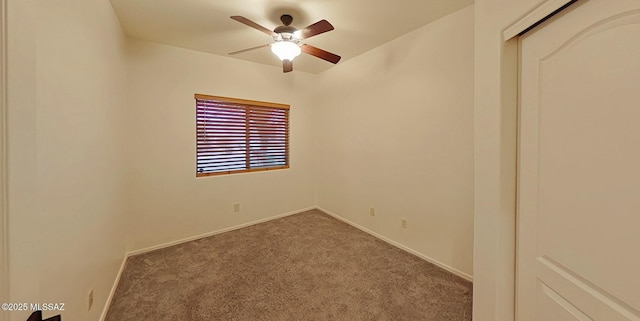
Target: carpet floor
[(308, 266)]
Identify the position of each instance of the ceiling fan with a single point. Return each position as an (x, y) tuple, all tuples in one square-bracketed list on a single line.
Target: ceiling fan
[(288, 40)]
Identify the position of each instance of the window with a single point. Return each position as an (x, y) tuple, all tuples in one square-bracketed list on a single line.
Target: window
[(236, 135)]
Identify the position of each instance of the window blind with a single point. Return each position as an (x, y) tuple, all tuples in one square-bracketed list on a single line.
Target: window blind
[(236, 135)]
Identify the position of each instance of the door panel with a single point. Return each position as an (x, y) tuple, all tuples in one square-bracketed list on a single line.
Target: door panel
[(579, 165), (553, 305)]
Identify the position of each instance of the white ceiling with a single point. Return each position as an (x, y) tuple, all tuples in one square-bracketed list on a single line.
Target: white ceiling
[(204, 25)]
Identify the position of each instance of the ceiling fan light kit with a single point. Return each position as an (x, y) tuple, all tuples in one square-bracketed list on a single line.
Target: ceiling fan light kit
[(286, 50), (288, 40)]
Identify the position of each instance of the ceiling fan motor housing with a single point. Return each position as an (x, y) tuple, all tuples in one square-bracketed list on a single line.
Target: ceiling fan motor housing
[(285, 33)]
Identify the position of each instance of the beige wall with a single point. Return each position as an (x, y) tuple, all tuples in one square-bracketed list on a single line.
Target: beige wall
[(395, 132), (66, 98), (495, 158), (167, 200)]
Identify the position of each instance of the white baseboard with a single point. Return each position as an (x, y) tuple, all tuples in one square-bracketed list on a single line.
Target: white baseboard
[(113, 288), (400, 246), (197, 237)]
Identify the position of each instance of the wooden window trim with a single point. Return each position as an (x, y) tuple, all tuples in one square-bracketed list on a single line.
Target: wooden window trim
[(242, 101)]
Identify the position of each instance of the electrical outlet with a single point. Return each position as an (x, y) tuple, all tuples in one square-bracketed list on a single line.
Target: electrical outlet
[(90, 300), (236, 207), (404, 223), (372, 211)]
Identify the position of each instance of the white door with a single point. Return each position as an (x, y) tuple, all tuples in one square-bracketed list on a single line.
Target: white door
[(579, 165)]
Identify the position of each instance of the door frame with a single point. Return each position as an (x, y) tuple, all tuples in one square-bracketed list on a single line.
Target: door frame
[(4, 219)]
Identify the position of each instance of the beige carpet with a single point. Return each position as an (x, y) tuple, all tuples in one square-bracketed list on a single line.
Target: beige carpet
[(308, 266)]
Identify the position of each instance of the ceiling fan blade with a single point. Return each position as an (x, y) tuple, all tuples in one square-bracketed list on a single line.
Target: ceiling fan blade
[(315, 29), (287, 65), (252, 24), (317, 52), (249, 49)]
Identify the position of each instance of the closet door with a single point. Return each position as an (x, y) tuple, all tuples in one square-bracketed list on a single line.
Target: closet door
[(579, 165)]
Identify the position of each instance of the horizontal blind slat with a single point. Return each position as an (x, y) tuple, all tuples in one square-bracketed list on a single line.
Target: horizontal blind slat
[(238, 163), (218, 157)]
